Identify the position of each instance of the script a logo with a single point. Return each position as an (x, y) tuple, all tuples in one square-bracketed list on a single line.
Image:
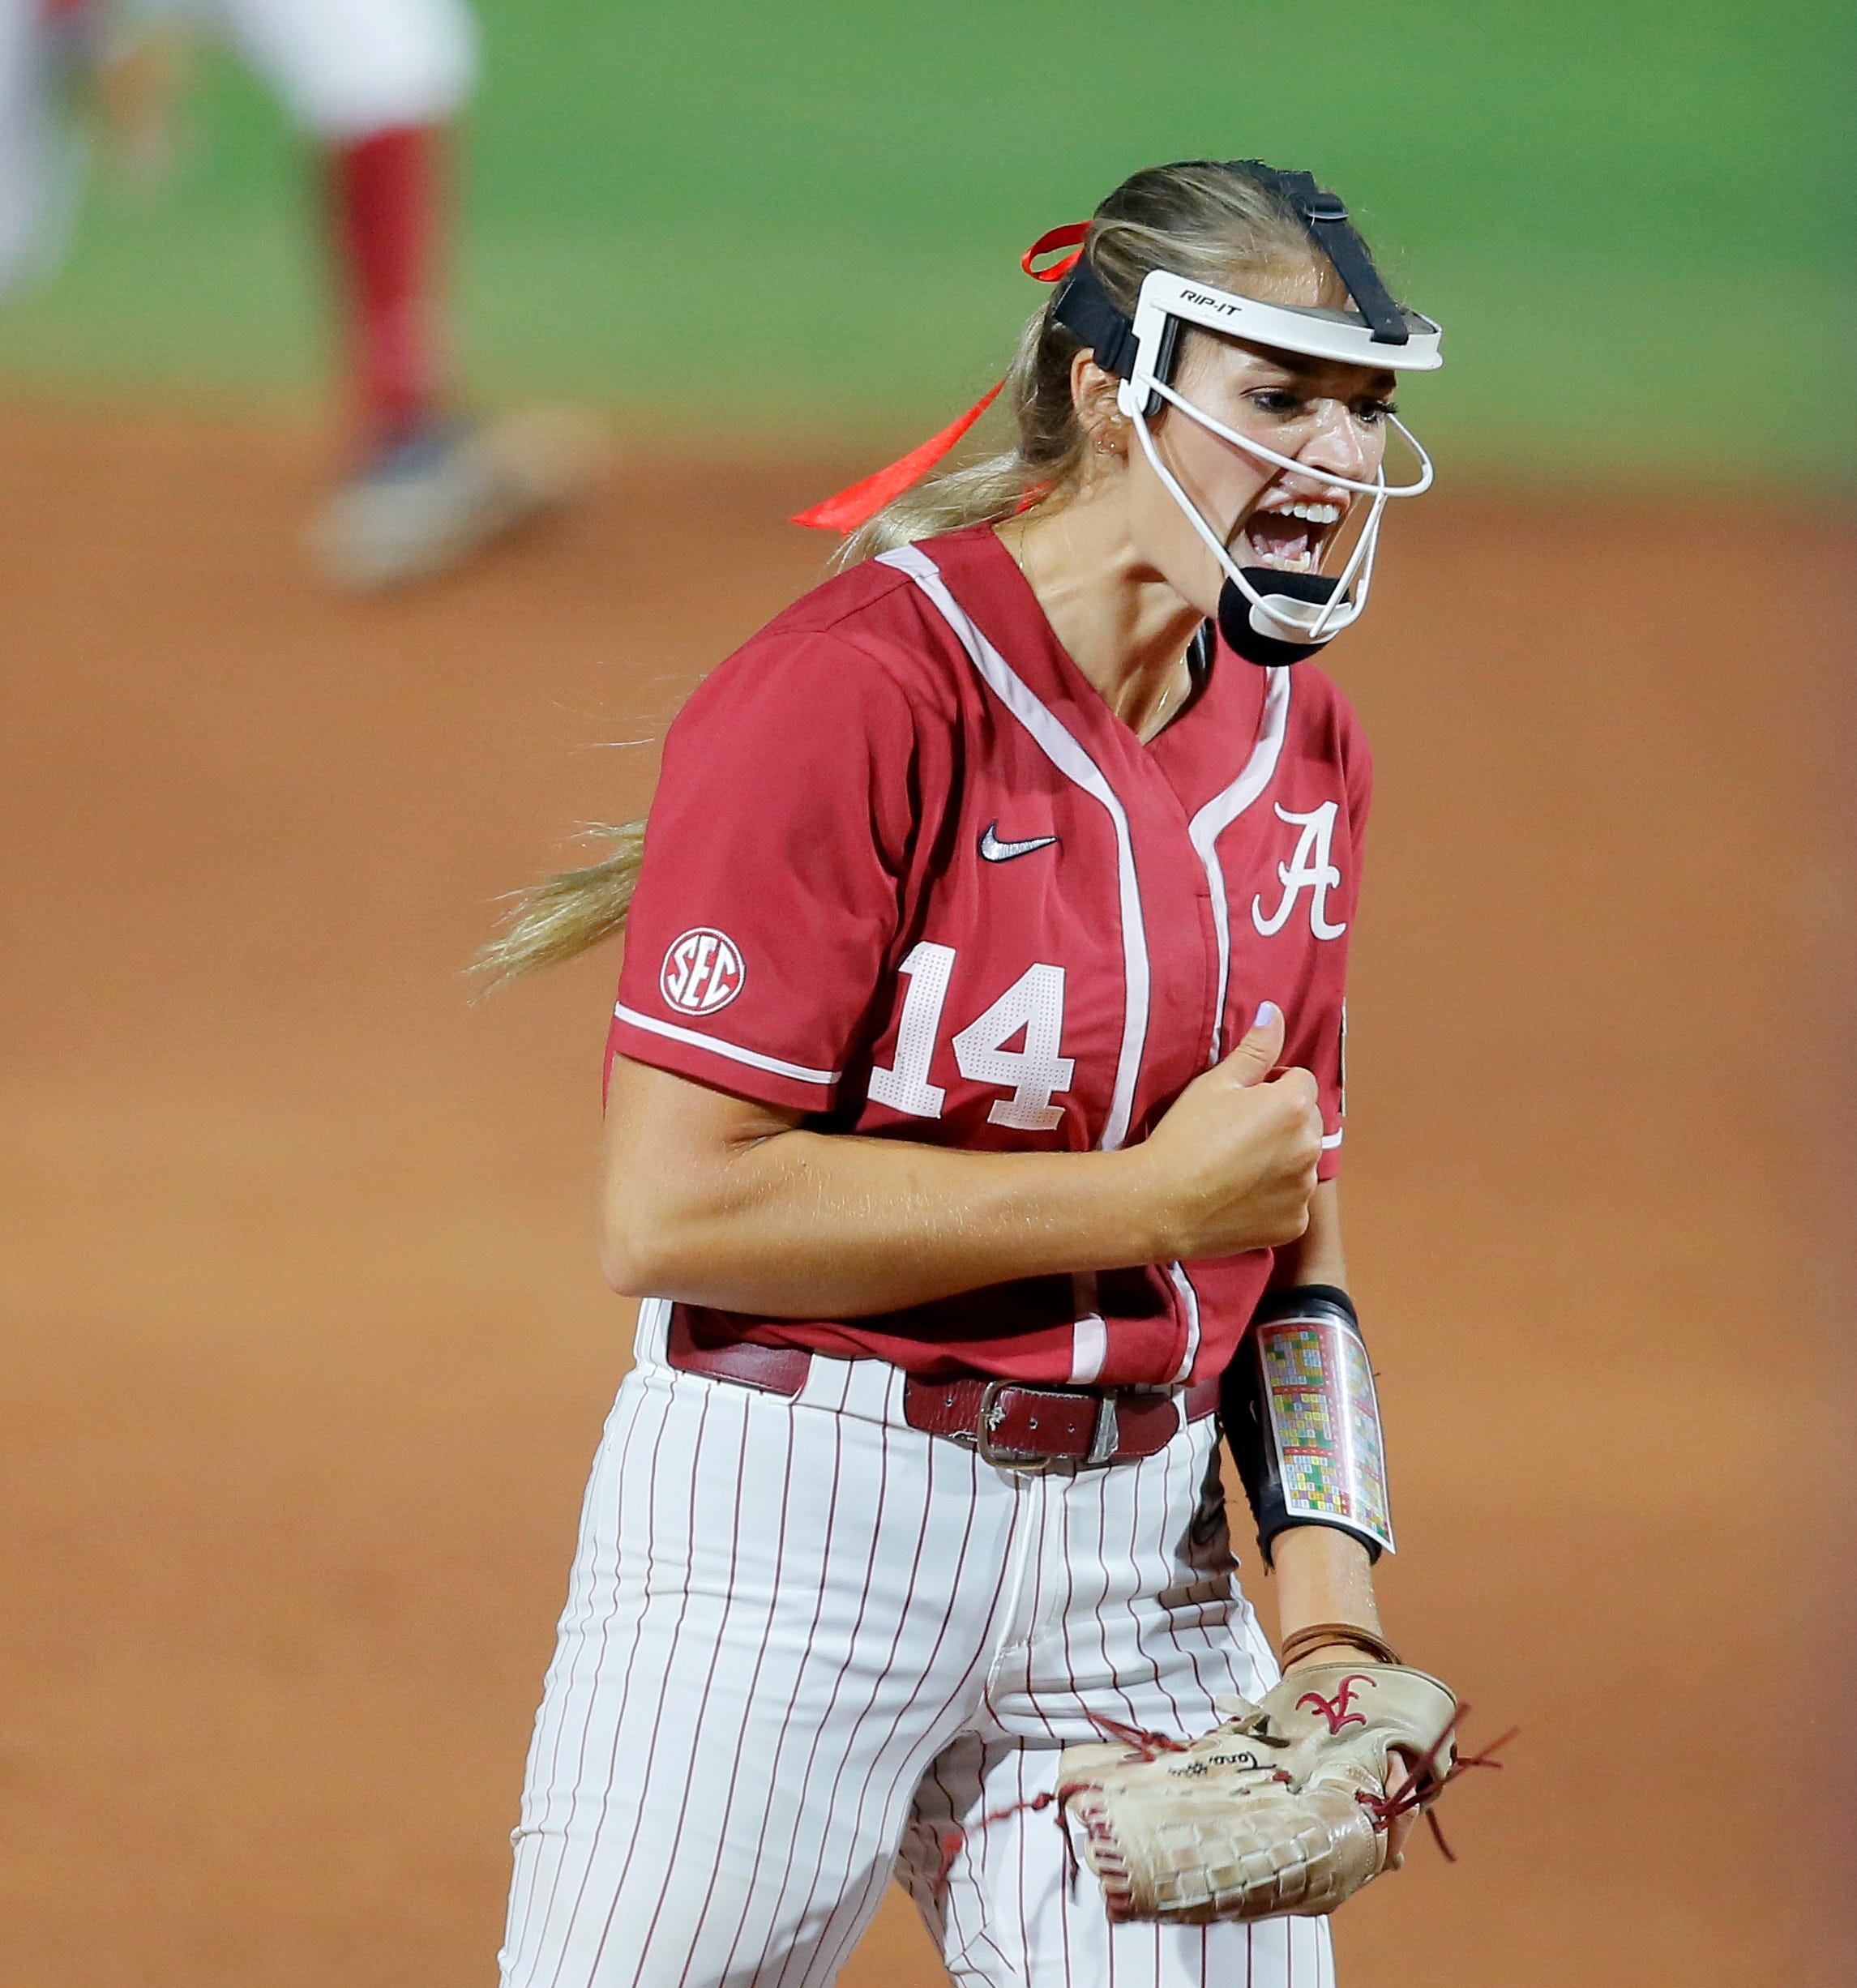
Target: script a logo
[(1339, 1710), (1311, 868), (702, 971)]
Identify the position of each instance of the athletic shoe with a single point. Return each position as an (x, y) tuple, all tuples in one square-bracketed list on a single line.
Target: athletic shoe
[(425, 505)]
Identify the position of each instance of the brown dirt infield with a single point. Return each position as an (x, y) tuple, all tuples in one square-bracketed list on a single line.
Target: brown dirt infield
[(306, 1348)]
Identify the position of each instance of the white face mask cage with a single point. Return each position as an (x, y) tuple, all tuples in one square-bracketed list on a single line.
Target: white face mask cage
[(1285, 615), (1165, 301)]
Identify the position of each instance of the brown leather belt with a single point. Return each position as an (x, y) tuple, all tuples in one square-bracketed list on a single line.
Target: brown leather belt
[(1008, 1422)]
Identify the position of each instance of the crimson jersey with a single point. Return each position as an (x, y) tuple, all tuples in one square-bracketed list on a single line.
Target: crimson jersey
[(907, 873)]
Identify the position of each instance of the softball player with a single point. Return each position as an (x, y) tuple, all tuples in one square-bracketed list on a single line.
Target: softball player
[(375, 85), (976, 1070)]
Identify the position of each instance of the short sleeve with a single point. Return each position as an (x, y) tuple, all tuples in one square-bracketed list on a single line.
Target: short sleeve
[(1330, 1056), (774, 857)]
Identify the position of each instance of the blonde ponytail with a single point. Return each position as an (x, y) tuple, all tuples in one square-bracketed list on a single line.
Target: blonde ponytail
[(565, 913), (1200, 220)]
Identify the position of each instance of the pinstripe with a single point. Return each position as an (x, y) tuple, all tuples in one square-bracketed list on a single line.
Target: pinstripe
[(1135, 1612), (799, 1677), (1100, 1614), (1036, 1619), (581, 1777), (583, 1645), (983, 1843), (1066, 1902), (1113, 1946), (803, 1799), (1190, 1493), (656, 1722), (1064, 1621), (864, 1901), (946, 1900), (1003, 1971), (887, 1668), (912, 1768), (1171, 1617), (704, 1704), (1019, 1841), (754, 1677), (1239, 1637), (918, 1754), (669, 1643), (917, 1757)]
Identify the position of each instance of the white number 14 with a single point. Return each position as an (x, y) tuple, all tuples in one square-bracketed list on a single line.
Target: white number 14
[(1034, 1003)]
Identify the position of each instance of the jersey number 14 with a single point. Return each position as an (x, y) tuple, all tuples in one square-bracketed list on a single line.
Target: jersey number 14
[(1033, 1005)]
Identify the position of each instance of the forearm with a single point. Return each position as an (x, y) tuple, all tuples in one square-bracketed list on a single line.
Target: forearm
[(807, 1224), (715, 1199), (1322, 1576)]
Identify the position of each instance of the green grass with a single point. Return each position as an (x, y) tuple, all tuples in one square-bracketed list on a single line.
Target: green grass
[(1631, 218)]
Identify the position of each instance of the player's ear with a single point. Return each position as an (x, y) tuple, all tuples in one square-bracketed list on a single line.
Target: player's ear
[(1092, 392)]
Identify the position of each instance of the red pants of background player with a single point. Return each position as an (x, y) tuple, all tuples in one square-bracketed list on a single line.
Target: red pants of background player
[(384, 197)]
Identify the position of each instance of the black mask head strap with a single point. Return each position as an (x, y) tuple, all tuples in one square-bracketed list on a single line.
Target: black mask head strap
[(1325, 217), (1083, 306)]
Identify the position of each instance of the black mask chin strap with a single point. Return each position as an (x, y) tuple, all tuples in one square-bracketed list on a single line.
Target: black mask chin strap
[(1241, 634), (1325, 216)]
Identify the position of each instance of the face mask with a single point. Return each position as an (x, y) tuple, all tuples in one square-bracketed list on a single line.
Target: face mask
[(1271, 616)]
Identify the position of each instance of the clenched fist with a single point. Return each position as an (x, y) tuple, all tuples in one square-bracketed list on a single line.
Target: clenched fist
[(1232, 1165)]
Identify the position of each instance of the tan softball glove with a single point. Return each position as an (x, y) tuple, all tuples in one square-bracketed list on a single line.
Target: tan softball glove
[(1283, 1808)]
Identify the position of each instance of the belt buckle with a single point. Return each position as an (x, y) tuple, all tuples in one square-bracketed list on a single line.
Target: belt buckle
[(1103, 1440), (989, 1419)]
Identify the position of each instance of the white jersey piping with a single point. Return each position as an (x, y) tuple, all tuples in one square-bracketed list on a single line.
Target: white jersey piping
[(1190, 1304), (1222, 811), (733, 1050), (1090, 1333)]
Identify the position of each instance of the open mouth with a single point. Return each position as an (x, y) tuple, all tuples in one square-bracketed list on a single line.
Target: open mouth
[(1291, 534)]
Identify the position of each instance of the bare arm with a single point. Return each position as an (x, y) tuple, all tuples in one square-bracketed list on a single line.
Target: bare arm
[(713, 1200)]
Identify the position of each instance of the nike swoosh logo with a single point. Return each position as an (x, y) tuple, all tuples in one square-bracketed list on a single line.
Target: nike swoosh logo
[(997, 852)]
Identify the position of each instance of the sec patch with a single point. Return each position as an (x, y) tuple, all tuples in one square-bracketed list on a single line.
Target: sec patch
[(702, 971)]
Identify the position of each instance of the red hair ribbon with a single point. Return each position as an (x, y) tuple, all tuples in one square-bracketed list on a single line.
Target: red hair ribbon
[(862, 501), (1070, 236)]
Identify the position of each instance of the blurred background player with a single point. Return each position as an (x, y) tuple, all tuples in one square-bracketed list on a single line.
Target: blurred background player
[(377, 86)]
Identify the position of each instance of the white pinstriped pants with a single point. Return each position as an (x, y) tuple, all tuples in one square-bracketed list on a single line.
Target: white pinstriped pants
[(805, 1643)]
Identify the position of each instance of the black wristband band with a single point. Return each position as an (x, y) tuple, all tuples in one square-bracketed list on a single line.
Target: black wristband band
[(1246, 1412)]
